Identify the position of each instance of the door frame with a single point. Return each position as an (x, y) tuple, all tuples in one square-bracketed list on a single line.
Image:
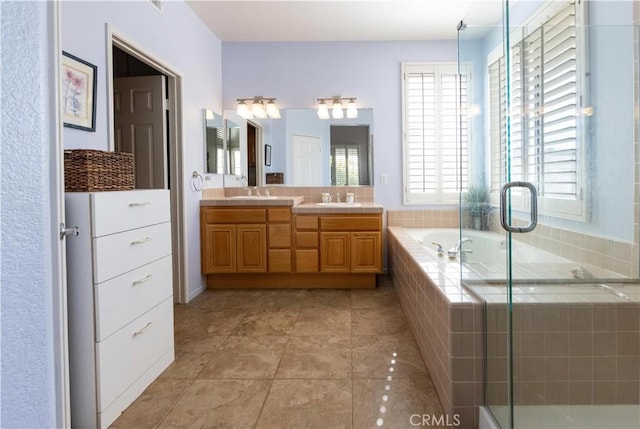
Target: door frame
[(60, 317), (175, 143)]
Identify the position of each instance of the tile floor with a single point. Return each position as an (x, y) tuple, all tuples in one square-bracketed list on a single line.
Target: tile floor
[(289, 359)]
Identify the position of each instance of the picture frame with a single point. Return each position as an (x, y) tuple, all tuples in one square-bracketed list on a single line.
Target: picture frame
[(267, 155), (78, 93)]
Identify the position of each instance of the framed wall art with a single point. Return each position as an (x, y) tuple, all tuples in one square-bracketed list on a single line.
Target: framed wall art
[(78, 93), (267, 154)]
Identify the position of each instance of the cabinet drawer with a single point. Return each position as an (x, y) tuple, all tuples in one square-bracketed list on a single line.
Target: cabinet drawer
[(279, 261), (211, 215), (306, 261), (124, 210), (118, 253), (279, 215), (123, 298), (125, 355), (280, 235), (350, 223), (307, 222), (306, 240)]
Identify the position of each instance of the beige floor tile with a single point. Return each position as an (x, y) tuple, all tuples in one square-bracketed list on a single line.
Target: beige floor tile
[(316, 357), (396, 406), (187, 366), (307, 404), (267, 321), (218, 404), (246, 357), (150, 407), (382, 296), (336, 298), (323, 321), (372, 357), (207, 322), (283, 298), (379, 321), (232, 299)]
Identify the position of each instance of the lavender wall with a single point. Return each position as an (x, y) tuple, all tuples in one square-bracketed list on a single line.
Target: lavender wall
[(298, 73), (181, 41)]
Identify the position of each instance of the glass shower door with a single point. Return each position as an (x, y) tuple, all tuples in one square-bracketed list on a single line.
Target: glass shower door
[(554, 143)]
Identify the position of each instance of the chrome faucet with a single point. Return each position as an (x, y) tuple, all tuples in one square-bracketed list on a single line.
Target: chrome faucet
[(453, 252), (439, 249)]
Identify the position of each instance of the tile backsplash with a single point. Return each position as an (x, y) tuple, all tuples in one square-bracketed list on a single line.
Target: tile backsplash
[(311, 194)]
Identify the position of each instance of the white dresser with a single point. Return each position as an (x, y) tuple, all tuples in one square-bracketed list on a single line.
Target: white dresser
[(120, 298)]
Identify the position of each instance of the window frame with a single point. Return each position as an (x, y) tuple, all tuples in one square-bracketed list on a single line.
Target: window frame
[(439, 197)]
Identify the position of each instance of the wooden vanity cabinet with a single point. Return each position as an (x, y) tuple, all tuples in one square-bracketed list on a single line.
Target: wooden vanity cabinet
[(233, 240), (351, 243), (268, 246)]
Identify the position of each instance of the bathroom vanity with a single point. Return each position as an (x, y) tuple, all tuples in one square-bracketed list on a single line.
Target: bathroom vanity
[(281, 242)]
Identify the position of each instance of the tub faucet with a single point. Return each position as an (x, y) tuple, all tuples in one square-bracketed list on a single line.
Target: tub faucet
[(440, 250), (453, 252)]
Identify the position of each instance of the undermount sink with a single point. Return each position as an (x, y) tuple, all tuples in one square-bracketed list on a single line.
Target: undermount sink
[(254, 197), (339, 204)]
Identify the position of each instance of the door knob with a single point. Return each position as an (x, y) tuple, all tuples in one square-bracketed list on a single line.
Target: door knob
[(64, 231)]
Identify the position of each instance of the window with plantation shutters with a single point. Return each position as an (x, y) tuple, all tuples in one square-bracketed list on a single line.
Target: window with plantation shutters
[(435, 132), (345, 165), (545, 144)]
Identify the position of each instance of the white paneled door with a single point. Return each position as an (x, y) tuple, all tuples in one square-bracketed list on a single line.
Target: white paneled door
[(307, 160), (139, 127)]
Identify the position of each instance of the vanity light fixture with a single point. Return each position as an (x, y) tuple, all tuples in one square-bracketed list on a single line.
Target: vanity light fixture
[(249, 108), (337, 111)]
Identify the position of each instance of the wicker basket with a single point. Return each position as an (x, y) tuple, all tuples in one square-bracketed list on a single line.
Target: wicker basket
[(95, 170)]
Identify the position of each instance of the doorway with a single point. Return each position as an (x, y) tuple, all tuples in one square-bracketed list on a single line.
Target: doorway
[(254, 158), (159, 161)]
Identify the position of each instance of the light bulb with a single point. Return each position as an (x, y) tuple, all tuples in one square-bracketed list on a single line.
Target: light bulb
[(272, 110), (323, 110), (352, 110), (243, 110), (257, 110), (337, 112)]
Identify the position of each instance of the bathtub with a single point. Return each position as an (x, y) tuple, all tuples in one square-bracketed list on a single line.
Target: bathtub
[(438, 296), (486, 247)]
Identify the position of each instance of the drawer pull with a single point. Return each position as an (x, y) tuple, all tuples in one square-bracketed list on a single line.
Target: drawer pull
[(142, 240), (144, 203), (143, 330), (142, 280)]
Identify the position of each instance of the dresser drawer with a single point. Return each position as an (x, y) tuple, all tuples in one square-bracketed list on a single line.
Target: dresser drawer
[(124, 210), (123, 298), (119, 253), (124, 356)]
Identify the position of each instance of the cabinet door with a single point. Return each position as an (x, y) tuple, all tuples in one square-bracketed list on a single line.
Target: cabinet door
[(252, 249), (334, 252), (366, 252), (219, 249)]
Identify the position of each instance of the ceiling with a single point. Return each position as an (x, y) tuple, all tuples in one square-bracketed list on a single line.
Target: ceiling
[(341, 20)]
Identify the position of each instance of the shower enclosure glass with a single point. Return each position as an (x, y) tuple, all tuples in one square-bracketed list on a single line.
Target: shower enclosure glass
[(549, 229)]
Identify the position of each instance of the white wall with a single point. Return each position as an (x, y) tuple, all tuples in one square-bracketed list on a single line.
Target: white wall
[(298, 73), (176, 38), (27, 240)]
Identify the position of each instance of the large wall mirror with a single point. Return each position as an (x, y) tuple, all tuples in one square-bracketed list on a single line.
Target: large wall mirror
[(214, 143), (308, 151)]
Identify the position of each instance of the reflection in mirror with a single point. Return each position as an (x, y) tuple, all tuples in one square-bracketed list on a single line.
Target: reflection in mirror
[(350, 155), (308, 151), (214, 143), (233, 148)]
